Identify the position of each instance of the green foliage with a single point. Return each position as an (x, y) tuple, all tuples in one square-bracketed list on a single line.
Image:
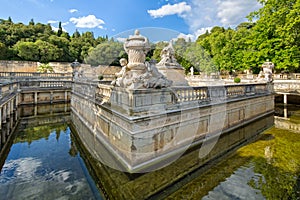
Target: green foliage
[(274, 35), (45, 68), (237, 80), (38, 42), (106, 53), (100, 77)]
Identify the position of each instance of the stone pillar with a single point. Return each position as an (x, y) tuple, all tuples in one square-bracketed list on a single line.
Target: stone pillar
[(3, 136), (4, 113), (35, 110), (66, 96), (35, 98), (17, 101), (51, 97), (285, 100), (0, 117), (285, 111), (12, 106), (7, 109)]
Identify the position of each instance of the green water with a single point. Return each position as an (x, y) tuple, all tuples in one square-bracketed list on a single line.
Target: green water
[(268, 168), (48, 161)]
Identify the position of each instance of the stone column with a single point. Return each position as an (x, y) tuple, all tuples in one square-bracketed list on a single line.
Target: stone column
[(35, 110), (4, 113), (51, 97), (35, 98), (285, 100), (11, 106), (66, 96), (8, 109), (3, 136), (0, 117)]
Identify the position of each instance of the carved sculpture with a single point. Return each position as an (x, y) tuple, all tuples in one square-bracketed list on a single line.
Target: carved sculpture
[(268, 70), (137, 73), (170, 68), (168, 57)]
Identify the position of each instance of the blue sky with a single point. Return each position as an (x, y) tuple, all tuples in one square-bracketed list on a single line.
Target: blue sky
[(188, 18)]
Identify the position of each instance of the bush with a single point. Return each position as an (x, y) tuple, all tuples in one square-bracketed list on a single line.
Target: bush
[(100, 77), (45, 68), (237, 80)]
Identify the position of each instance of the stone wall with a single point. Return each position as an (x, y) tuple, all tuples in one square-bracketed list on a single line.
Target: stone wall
[(139, 137), (89, 72), (18, 66)]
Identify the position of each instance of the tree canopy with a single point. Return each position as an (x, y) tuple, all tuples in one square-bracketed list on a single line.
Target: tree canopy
[(38, 42), (272, 32)]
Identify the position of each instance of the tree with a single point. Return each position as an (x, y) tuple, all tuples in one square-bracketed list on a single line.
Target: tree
[(27, 50), (275, 35), (60, 30), (3, 51), (31, 22), (62, 44), (47, 51), (199, 59), (105, 53)]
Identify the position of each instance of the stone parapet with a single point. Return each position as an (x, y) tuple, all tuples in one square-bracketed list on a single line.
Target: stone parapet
[(144, 128)]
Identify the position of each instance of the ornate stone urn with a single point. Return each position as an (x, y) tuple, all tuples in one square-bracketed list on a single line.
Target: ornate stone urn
[(136, 47), (137, 73)]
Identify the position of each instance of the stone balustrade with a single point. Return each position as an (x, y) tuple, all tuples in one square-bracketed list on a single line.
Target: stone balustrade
[(135, 102), (204, 93), (16, 76), (287, 86), (45, 84), (8, 88)]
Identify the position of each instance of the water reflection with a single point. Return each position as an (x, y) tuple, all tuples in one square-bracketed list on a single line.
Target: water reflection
[(48, 160), (265, 169), (39, 164)]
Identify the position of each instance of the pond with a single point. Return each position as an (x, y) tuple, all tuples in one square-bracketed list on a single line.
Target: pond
[(47, 160)]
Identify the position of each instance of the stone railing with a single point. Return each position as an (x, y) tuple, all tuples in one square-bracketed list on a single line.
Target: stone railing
[(291, 76), (211, 93), (45, 84), (135, 101), (87, 89), (34, 75), (8, 88), (288, 86)]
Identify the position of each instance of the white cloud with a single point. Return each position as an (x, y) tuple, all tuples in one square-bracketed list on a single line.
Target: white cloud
[(56, 29), (89, 21), (231, 12), (73, 10), (52, 22), (206, 14), (179, 9), (121, 39), (202, 31), (187, 37)]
